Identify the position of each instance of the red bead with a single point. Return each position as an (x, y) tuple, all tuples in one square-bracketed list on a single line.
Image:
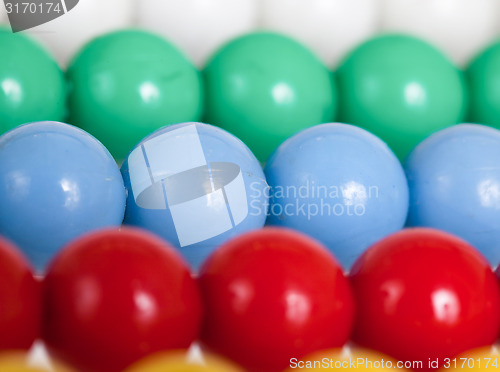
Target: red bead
[(113, 297), (272, 295), (20, 300), (423, 294)]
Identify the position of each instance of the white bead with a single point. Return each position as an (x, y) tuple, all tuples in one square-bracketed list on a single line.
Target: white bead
[(38, 356), (3, 14), (331, 28), (461, 28), (65, 35), (198, 27)]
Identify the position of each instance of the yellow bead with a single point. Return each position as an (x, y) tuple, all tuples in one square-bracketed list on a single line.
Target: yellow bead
[(178, 362), (18, 362)]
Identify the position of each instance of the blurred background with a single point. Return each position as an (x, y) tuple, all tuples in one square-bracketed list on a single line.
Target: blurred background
[(460, 28)]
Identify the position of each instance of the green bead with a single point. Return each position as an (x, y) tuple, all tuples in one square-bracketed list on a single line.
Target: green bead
[(265, 87), (127, 84), (32, 86), (401, 89), (483, 76)]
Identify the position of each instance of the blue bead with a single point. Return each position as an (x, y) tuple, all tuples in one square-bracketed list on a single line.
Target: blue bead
[(196, 186), (339, 184), (454, 180), (56, 183)]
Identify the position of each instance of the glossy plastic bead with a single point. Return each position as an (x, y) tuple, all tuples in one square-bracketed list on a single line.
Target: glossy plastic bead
[(483, 76), (424, 295), (275, 292), (196, 186), (115, 296), (265, 87), (454, 180), (32, 86), (56, 183), (339, 184), (400, 89), (127, 84)]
